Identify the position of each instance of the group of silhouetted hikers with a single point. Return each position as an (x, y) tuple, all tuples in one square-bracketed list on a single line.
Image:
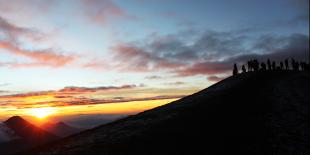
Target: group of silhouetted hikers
[(254, 65)]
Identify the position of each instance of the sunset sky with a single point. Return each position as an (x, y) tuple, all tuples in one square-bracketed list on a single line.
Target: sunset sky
[(68, 53)]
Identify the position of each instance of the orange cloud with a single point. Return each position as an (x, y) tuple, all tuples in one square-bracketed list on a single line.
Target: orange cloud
[(40, 57), (70, 96)]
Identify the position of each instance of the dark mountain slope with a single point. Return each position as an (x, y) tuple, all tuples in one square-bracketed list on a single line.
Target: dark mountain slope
[(254, 113)]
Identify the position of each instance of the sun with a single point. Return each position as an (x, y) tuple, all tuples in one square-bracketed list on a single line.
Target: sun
[(41, 113)]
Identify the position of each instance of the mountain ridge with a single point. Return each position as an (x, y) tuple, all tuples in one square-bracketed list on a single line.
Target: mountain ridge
[(60, 129), (252, 113)]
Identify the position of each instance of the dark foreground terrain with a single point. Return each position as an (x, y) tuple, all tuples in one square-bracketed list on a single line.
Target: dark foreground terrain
[(262, 113)]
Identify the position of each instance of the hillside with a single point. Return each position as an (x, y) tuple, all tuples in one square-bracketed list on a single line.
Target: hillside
[(253, 113), (18, 135)]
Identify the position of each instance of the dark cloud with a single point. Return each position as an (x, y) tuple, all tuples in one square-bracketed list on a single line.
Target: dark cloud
[(215, 78), (73, 89), (207, 53), (139, 59), (204, 68), (153, 77), (176, 83), (4, 91), (177, 51), (70, 90)]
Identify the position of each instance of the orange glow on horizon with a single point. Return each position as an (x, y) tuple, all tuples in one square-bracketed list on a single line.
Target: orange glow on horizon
[(41, 113)]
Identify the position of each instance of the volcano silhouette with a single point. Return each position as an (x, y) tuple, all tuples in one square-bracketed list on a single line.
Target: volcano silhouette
[(26, 136)]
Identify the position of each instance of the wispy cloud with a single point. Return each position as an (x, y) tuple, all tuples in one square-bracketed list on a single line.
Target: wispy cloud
[(103, 11), (13, 32), (178, 83), (39, 57), (78, 90), (152, 77), (46, 57), (69, 96)]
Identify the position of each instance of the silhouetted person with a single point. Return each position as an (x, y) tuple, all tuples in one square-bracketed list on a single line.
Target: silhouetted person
[(243, 69), (273, 65), (297, 66), (269, 64), (255, 64), (249, 65), (263, 66), (293, 63), (281, 65), (286, 64), (235, 71)]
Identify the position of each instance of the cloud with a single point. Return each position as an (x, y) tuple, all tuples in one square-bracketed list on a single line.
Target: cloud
[(16, 5), (175, 53), (206, 53), (81, 96), (46, 57), (74, 90), (4, 91), (71, 90), (103, 11), (13, 32), (100, 12), (153, 77), (204, 68), (88, 101), (215, 78), (4, 84), (138, 59), (294, 46), (40, 57), (176, 83)]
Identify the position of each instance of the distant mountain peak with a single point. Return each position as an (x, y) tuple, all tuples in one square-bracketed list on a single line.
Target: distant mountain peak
[(61, 123), (16, 121), (25, 129), (19, 134), (60, 129), (15, 118)]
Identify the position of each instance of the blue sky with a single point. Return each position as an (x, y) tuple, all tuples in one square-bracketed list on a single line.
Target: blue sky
[(181, 44)]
